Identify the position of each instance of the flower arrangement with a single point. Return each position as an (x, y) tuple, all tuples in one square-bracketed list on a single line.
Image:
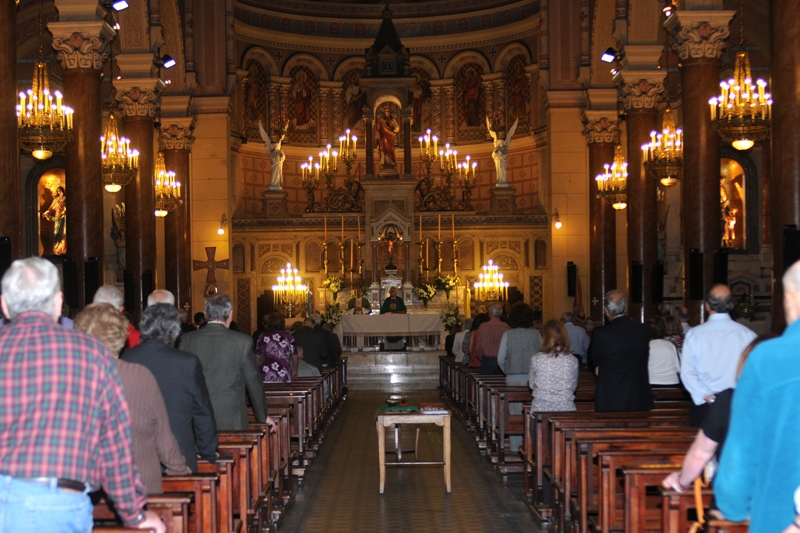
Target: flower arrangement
[(424, 291), (334, 284), (332, 313), (449, 316), (446, 283)]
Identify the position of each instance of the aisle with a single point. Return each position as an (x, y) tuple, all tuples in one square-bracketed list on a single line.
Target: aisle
[(340, 493)]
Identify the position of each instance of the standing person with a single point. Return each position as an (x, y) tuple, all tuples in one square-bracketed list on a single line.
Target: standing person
[(674, 332), (760, 466), (518, 345), (487, 345), (683, 317), (276, 352), (229, 366), (711, 352), (180, 378), (578, 338), (154, 444), (471, 340), (312, 341), (458, 341), (200, 320), (619, 353), (59, 441), (663, 365), (553, 374), (109, 294)]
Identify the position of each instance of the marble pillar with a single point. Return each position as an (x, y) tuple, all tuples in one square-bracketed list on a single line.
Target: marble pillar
[(370, 155), (81, 55), (11, 214), (407, 143), (641, 92), (699, 40), (602, 135), (175, 139)]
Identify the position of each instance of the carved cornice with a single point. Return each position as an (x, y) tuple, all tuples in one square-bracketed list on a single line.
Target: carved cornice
[(602, 130), (642, 93), (176, 134), (137, 102), (699, 35), (80, 52)]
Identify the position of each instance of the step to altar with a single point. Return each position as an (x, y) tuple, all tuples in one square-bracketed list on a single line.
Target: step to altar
[(393, 371)]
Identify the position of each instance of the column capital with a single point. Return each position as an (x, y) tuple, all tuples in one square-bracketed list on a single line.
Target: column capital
[(600, 127), (699, 34), (81, 44), (176, 133), (138, 97), (640, 89)]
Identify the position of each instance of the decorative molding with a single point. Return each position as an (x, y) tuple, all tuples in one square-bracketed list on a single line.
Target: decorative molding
[(641, 94), (135, 102), (699, 35), (176, 135), (80, 52), (602, 130)]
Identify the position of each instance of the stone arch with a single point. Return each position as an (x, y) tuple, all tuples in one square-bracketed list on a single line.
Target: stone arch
[(308, 61), (314, 259), (238, 258), (262, 56), (752, 187), (466, 253), (30, 204), (470, 56), (170, 17), (347, 65), (506, 261), (387, 95), (273, 264), (510, 52), (425, 64)]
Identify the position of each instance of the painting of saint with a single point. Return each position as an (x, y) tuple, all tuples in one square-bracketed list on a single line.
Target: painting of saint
[(518, 94), (57, 214), (355, 98), (303, 90), (421, 92), (472, 95), (255, 104)]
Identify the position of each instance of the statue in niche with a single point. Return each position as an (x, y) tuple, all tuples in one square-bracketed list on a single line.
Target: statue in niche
[(57, 214), (276, 156), (387, 128), (500, 152)]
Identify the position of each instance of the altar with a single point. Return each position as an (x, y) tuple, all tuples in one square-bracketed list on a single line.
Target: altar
[(363, 332)]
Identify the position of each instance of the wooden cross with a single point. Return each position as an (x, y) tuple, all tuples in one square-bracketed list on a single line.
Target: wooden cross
[(594, 301), (211, 265)]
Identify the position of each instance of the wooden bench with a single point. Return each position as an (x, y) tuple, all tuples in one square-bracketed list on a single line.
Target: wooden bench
[(224, 467), (205, 489)]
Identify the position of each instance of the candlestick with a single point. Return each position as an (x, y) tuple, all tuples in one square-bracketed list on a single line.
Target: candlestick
[(453, 224), (440, 228), (342, 229), (358, 218), (420, 228), (325, 221)]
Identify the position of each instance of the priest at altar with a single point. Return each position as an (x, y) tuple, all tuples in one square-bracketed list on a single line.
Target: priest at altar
[(393, 304)]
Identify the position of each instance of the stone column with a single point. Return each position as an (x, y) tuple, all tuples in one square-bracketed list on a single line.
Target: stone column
[(11, 213), (138, 100), (369, 142), (450, 124), (602, 135), (82, 50), (336, 102), (407, 113), (641, 91), (273, 104), (175, 139), (376, 275), (436, 98), (407, 262), (324, 92), (699, 39), (500, 98)]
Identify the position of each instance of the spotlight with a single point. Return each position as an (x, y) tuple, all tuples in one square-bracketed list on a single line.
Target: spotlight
[(167, 61), (668, 8), (117, 26), (609, 56), (119, 5)]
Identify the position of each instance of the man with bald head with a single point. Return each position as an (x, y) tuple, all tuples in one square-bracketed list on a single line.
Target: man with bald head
[(760, 467), (711, 353)]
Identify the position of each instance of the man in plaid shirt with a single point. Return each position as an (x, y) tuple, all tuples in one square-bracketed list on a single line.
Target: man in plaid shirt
[(64, 420)]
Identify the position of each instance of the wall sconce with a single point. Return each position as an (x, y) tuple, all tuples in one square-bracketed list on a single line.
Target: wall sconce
[(557, 219), (222, 223)]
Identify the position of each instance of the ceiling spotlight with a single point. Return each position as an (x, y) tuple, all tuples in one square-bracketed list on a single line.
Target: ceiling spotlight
[(668, 8), (117, 26), (167, 61), (119, 5), (609, 56)]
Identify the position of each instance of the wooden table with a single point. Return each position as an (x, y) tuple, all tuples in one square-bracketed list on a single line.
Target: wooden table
[(387, 419)]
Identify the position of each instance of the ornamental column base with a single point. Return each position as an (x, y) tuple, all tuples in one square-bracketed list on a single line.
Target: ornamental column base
[(275, 205), (504, 201)]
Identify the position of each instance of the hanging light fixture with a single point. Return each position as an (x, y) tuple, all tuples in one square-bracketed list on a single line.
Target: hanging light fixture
[(663, 155), (290, 290), (120, 162), (44, 126), (167, 188), (741, 114), (613, 184), (490, 286)]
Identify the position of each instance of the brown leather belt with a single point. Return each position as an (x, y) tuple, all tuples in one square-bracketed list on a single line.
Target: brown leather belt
[(66, 484)]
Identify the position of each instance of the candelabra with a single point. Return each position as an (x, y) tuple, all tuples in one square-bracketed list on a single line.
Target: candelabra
[(455, 257), (663, 155), (467, 184), (290, 290), (167, 188), (310, 180), (120, 163), (613, 184), (490, 286)]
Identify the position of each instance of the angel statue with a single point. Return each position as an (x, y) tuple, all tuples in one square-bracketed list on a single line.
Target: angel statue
[(276, 157), (500, 152)]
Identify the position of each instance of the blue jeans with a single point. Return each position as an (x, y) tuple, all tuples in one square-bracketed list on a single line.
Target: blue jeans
[(31, 507)]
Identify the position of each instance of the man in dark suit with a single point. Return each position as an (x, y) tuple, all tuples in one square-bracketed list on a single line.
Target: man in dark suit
[(619, 353), (180, 378), (312, 340), (229, 366), (331, 338)]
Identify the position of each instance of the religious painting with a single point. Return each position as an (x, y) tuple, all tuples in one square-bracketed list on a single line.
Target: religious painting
[(353, 102), (422, 106), (466, 254), (732, 203), (387, 133), (313, 256), (303, 102), (118, 236), (52, 207), (518, 95), (471, 103), (238, 258), (255, 99)]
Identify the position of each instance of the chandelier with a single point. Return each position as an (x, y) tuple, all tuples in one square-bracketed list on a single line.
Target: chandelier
[(490, 285), (741, 114), (167, 188), (613, 183), (44, 126), (120, 163), (290, 290), (663, 155)]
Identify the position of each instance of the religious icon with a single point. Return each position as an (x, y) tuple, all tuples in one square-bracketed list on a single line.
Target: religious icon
[(387, 128), (472, 95), (303, 90), (421, 92), (500, 152), (355, 98), (391, 235), (57, 214), (276, 155)]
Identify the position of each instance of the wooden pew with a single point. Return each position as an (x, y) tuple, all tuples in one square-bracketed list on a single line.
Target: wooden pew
[(173, 509), (725, 526), (225, 467), (204, 487), (639, 516), (679, 510)]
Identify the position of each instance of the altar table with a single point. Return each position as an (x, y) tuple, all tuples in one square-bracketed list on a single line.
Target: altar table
[(360, 331)]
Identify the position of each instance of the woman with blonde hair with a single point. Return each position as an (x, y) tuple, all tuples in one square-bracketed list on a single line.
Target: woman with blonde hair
[(553, 375)]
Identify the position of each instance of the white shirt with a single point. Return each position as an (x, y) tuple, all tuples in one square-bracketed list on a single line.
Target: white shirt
[(578, 339), (663, 365), (711, 353), (458, 349), (686, 327)]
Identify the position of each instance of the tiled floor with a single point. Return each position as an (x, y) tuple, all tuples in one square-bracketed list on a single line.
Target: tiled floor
[(340, 492)]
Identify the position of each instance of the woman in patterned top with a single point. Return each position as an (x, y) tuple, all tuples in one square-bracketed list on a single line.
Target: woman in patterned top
[(276, 351), (553, 376)]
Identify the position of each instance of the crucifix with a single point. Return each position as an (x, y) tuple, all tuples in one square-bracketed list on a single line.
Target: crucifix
[(595, 300), (211, 265)]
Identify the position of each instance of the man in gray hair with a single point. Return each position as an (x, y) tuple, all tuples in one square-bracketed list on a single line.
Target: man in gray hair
[(578, 339), (229, 366), (109, 294), (489, 336), (619, 352), (161, 296)]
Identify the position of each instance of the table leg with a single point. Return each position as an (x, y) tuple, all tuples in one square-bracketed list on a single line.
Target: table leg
[(446, 439), (381, 453)]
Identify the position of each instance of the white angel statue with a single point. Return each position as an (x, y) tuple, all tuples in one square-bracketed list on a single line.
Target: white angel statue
[(500, 152), (276, 157)]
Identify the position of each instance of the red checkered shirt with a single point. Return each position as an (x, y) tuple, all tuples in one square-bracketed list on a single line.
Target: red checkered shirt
[(490, 335), (63, 412)]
